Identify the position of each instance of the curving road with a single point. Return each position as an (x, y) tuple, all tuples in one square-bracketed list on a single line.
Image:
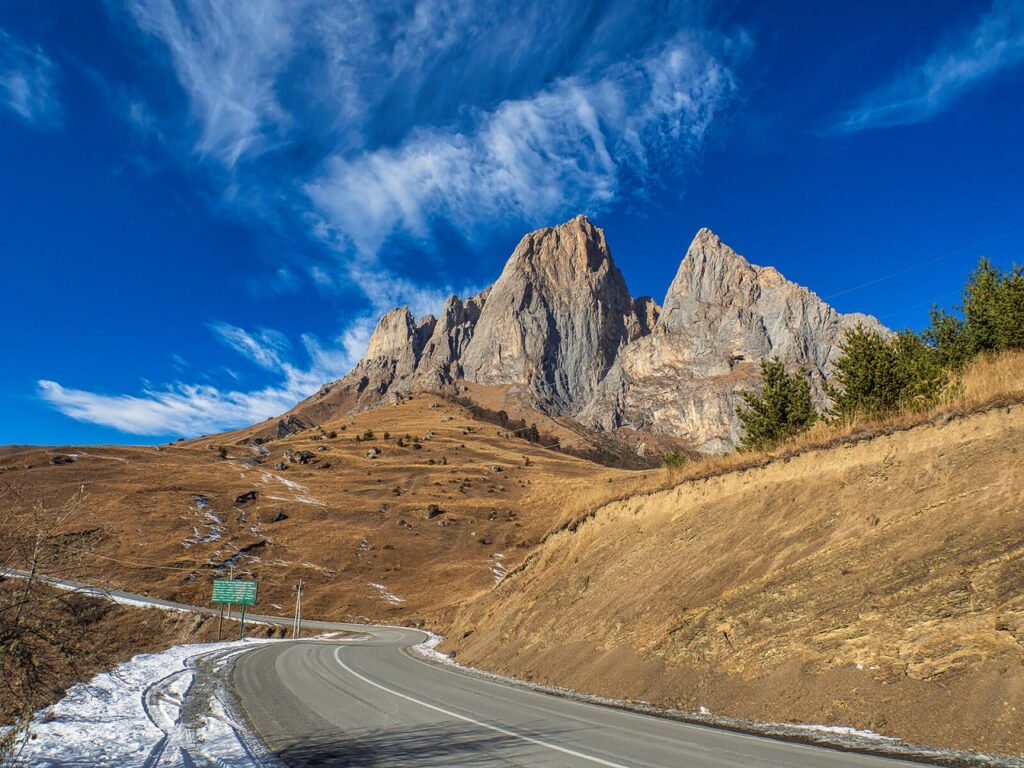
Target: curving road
[(369, 702)]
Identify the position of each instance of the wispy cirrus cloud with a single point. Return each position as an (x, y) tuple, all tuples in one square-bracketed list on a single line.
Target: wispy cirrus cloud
[(227, 56), (191, 409), (265, 347), (373, 125), (568, 147), (28, 82), (963, 62), (461, 113)]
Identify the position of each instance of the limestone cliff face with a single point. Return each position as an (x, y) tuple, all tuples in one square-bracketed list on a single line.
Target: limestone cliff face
[(720, 317), (561, 328), (556, 318), (392, 357)]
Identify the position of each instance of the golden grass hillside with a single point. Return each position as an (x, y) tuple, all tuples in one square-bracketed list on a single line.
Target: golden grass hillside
[(876, 583), (315, 505)]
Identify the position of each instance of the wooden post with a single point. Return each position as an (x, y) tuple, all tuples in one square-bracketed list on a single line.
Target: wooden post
[(298, 611)]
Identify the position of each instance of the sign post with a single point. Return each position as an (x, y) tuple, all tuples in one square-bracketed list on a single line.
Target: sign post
[(234, 592)]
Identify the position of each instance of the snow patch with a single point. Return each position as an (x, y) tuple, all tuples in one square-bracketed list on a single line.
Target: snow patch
[(497, 567), (300, 492), (384, 593), (132, 716)]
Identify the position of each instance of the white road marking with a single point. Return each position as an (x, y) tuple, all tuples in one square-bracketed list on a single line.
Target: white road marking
[(488, 726)]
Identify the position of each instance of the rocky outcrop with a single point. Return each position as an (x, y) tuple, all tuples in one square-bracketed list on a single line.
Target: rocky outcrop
[(720, 317), (392, 356), (556, 318), (560, 328), (441, 361)]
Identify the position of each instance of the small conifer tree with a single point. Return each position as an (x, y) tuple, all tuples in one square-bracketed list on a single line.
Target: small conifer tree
[(781, 409)]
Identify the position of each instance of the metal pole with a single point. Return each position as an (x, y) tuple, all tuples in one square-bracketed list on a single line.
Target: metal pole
[(229, 604), (220, 622), (241, 627)]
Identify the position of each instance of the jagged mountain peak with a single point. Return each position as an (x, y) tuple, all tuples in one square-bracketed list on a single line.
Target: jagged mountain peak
[(556, 317), (560, 330), (563, 253)]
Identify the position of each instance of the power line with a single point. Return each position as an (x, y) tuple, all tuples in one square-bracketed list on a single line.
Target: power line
[(923, 264)]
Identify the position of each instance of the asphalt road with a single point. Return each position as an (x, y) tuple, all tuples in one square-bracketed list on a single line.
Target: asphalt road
[(369, 702)]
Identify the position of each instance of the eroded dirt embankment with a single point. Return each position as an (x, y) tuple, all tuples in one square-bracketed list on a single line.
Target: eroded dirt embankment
[(877, 584)]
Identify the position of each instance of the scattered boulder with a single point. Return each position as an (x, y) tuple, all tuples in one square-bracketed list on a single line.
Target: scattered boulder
[(279, 517), (486, 541), (281, 466), (373, 453), (64, 458), (246, 497), (432, 510), (496, 468)]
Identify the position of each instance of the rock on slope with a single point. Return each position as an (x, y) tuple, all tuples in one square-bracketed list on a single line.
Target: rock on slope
[(561, 329)]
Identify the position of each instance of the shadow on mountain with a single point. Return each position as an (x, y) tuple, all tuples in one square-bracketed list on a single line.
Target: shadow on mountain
[(435, 744)]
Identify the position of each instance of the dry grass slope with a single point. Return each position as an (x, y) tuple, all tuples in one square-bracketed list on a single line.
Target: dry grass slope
[(165, 520), (877, 583)]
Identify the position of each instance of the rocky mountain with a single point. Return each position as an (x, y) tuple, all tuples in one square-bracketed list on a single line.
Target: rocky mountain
[(720, 317), (561, 331)]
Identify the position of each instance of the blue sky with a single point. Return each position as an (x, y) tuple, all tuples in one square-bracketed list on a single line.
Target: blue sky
[(206, 205)]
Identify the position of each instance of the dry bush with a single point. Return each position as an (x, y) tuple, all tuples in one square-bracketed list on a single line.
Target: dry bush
[(40, 627)]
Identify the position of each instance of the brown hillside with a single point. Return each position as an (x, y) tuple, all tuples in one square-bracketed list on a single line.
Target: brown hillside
[(165, 520), (877, 584)]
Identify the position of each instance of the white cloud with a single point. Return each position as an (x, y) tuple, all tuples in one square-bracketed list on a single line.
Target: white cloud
[(193, 409), (993, 45), (227, 56), (266, 347), (28, 82), (566, 148), (366, 122)]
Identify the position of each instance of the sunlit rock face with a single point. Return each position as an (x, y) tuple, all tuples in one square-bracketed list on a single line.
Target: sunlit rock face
[(560, 327), (720, 317)]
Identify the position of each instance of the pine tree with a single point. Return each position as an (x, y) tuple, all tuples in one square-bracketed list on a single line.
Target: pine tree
[(947, 336), (1010, 310), (981, 308), (783, 408), (875, 376), (864, 382), (993, 317), (921, 374)]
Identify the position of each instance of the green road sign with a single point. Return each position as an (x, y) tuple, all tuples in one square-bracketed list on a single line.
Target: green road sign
[(234, 592)]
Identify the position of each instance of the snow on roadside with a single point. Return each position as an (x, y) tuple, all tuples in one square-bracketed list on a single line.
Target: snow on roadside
[(106, 722), (101, 593)]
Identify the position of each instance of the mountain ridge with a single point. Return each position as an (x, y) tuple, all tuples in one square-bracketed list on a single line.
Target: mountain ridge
[(560, 329)]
